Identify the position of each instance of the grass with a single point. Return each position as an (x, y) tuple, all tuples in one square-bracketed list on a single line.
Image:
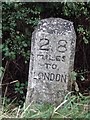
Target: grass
[(72, 107)]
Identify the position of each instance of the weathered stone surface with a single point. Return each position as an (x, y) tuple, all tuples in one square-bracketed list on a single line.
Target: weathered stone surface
[(51, 61)]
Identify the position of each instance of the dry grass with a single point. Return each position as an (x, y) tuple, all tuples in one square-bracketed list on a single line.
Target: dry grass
[(72, 107)]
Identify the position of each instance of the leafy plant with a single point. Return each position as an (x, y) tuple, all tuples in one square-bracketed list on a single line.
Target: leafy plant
[(74, 76), (17, 40), (73, 107), (85, 33), (19, 87)]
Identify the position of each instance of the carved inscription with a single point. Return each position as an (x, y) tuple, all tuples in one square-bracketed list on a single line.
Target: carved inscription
[(52, 77), (44, 54), (44, 46), (52, 58), (61, 45)]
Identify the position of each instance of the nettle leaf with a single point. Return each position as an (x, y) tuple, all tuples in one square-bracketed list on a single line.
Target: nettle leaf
[(22, 84), (21, 87), (6, 53), (73, 75), (80, 29), (17, 84), (5, 48), (16, 89), (12, 55), (25, 45), (21, 92), (1, 46)]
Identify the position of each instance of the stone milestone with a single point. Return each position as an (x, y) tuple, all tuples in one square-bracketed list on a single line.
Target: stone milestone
[(51, 61)]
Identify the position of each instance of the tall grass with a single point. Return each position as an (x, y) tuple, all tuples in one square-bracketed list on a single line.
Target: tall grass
[(72, 107)]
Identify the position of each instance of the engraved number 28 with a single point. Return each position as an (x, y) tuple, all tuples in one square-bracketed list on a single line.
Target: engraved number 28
[(61, 47)]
